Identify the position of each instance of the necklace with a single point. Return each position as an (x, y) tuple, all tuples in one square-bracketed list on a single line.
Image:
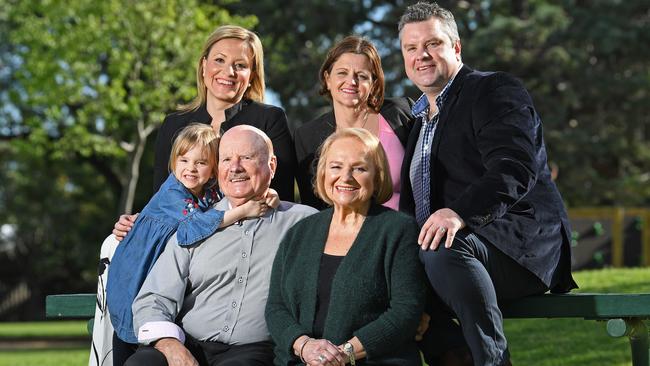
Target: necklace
[(365, 119)]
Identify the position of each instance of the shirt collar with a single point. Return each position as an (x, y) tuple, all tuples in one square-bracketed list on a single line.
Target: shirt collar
[(229, 113), (421, 107)]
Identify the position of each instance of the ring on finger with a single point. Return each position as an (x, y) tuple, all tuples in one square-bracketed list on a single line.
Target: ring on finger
[(321, 358), (442, 229)]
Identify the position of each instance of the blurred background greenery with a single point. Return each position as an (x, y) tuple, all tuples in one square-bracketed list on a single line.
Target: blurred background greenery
[(85, 84)]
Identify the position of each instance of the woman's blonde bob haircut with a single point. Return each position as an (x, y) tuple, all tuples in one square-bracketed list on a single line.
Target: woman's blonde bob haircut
[(383, 184), (257, 86), (196, 134)]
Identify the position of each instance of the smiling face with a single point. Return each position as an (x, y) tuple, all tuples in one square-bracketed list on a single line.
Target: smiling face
[(246, 166), (227, 71), (349, 174), (430, 57), (350, 80), (193, 170)]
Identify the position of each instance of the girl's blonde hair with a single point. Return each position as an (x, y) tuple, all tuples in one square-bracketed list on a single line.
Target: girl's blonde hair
[(383, 184), (196, 134), (257, 86)]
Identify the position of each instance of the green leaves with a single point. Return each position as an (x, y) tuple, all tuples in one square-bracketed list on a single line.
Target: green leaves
[(93, 80)]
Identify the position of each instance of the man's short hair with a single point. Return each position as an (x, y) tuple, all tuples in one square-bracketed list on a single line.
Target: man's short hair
[(422, 11)]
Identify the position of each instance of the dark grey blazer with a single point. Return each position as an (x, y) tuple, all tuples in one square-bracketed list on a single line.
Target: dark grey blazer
[(309, 136), (488, 164)]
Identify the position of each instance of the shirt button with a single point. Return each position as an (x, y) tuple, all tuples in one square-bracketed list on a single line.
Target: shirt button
[(241, 280), (243, 254), (247, 232), (234, 304), (226, 328)]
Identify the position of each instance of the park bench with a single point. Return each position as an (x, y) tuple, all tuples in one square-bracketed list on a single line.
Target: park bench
[(625, 313)]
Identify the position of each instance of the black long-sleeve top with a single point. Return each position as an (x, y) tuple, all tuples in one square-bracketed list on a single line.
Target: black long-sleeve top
[(270, 119)]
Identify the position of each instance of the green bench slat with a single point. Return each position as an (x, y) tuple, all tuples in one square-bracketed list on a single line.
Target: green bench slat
[(81, 306), (588, 306), (579, 305), (626, 313)]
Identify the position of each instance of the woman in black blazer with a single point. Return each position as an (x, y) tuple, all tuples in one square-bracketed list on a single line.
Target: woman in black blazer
[(230, 92), (230, 86), (352, 78)]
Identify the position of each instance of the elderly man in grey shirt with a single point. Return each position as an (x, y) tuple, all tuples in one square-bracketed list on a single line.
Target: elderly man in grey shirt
[(204, 305)]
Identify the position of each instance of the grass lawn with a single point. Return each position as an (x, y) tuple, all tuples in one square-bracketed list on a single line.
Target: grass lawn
[(41, 355), (54, 328), (537, 342), (45, 357), (576, 342)]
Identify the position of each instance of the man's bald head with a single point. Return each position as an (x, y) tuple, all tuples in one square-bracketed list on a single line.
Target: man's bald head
[(246, 163)]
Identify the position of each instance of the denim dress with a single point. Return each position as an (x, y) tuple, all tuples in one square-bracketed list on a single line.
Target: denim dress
[(173, 209)]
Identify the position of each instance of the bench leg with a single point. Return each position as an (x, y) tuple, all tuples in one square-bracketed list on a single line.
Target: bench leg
[(637, 332)]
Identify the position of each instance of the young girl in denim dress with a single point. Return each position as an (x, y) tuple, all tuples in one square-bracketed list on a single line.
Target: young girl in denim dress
[(183, 205)]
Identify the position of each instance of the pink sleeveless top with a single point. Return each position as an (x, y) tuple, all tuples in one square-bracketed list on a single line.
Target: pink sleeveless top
[(395, 153)]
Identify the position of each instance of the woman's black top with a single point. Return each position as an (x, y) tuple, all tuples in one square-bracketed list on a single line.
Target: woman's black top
[(309, 137), (328, 266), (270, 119)]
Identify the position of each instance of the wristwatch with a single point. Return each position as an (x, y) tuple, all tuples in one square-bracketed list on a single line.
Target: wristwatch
[(348, 348)]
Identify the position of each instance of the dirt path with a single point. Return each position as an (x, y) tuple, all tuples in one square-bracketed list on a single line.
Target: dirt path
[(7, 344)]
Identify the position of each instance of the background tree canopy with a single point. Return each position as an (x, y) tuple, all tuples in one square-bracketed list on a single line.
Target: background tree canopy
[(85, 84), (585, 63), (89, 82)]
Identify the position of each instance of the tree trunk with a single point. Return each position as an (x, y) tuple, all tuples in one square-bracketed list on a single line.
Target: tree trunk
[(520, 8), (131, 182)]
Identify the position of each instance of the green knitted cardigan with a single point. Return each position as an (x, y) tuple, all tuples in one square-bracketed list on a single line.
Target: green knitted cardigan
[(377, 293)]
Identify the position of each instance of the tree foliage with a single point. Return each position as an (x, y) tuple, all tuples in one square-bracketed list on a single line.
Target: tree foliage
[(584, 61), (90, 82), (98, 77), (84, 84)]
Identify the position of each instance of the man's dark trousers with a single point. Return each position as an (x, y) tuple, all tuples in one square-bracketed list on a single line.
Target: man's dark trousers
[(467, 281)]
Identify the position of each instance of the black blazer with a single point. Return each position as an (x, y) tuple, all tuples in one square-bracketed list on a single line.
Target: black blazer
[(309, 137), (272, 120), (488, 164)]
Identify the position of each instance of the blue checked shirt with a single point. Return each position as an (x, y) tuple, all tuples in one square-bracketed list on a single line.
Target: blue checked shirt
[(419, 170)]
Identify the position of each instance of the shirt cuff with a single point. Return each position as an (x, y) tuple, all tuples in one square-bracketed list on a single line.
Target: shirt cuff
[(153, 331)]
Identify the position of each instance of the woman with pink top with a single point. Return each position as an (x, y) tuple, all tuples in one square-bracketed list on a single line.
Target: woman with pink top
[(352, 78)]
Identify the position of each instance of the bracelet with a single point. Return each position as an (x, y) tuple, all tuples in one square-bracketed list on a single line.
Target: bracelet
[(348, 348), (302, 347)]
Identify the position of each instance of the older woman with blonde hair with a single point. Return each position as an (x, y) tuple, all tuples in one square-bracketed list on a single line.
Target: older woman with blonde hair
[(346, 284)]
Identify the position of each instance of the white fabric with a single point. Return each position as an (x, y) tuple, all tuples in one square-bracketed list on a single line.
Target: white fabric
[(101, 348), (153, 331)]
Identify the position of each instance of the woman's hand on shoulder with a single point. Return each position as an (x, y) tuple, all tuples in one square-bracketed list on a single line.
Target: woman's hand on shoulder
[(124, 225)]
